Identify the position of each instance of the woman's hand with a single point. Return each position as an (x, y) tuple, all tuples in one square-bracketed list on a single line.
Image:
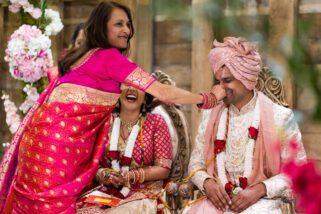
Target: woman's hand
[(219, 92)]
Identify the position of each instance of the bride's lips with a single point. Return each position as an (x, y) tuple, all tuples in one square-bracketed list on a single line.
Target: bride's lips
[(131, 96)]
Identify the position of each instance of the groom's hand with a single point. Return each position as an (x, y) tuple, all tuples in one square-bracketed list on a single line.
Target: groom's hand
[(247, 197), (216, 194)]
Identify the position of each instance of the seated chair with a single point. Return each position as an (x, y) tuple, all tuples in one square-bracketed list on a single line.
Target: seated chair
[(177, 124), (272, 87)]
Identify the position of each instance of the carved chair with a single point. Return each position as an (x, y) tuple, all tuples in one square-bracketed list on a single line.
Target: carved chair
[(179, 193), (177, 124)]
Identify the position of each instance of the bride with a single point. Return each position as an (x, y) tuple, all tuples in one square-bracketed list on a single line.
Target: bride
[(136, 161)]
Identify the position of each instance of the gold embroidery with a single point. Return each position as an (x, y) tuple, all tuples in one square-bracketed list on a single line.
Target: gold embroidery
[(75, 93), (140, 79), (4, 166)]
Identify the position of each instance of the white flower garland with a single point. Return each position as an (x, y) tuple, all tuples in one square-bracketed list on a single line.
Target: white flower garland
[(220, 159), (28, 54), (55, 25), (32, 97), (128, 150), (12, 118), (16, 5)]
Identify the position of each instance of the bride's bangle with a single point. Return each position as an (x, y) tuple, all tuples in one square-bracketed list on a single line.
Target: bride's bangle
[(141, 175), (209, 100)]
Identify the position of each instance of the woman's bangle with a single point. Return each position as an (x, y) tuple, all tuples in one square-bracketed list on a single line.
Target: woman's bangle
[(209, 100), (127, 177), (137, 176), (142, 179), (134, 177)]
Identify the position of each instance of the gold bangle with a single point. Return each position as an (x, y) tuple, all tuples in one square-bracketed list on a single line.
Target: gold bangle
[(137, 176), (142, 177), (127, 180), (134, 177)]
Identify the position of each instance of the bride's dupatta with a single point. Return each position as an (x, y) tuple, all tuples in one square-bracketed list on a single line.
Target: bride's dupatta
[(55, 153)]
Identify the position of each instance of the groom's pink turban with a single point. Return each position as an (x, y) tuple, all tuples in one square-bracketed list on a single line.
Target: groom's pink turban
[(240, 57)]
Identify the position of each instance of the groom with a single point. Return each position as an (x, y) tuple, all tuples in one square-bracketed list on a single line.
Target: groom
[(242, 142)]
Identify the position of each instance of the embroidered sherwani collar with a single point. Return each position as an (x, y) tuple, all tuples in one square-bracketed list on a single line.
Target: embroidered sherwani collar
[(246, 108)]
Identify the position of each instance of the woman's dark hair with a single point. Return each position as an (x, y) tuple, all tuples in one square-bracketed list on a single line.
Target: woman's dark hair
[(145, 108), (95, 30), (78, 28)]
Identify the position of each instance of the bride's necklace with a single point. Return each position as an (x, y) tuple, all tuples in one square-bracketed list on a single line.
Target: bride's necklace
[(219, 151), (129, 125)]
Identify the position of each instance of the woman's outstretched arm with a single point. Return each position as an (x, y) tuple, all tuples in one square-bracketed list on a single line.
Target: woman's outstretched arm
[(172, 94)]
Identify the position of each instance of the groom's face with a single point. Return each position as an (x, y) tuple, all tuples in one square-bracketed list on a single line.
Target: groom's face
[(235, 90)]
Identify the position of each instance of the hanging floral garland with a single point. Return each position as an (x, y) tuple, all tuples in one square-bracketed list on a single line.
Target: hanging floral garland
[(219, 150), (28, 53)]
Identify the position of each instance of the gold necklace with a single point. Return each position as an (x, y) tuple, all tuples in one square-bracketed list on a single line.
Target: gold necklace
[(129, 125)]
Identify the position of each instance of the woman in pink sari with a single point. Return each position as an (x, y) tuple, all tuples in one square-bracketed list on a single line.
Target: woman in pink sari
[(56, 150)]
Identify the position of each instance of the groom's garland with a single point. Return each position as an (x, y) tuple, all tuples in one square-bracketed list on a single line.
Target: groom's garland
[(219, 151)]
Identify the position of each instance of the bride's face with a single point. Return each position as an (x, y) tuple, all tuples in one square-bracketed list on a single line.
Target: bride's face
[(131, 98)]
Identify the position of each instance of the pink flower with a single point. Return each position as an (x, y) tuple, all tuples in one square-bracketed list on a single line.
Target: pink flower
[(14, 8), (306, 183), (28, 54), (36, 13)]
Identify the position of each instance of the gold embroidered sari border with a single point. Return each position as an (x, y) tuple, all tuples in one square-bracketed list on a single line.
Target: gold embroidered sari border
[(68, 92)]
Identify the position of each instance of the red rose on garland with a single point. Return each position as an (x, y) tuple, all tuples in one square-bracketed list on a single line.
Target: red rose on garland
[(253, 133), (229, 186), (219, 146), (243, 182)]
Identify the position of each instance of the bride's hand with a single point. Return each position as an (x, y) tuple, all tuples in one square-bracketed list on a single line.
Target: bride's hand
[(117, 180)]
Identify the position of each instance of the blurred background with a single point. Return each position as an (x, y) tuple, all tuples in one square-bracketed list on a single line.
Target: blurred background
[(175, 36)]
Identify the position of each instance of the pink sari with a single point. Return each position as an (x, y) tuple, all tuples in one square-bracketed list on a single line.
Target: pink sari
[(59, 156), (56, 150)]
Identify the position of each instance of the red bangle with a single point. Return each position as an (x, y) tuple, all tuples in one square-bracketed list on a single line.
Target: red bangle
[(209, 100)]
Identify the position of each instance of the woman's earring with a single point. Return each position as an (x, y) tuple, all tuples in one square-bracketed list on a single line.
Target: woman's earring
[(144, 110), (117, 107)]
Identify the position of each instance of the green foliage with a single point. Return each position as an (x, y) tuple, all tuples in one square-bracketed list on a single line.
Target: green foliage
[(41, 84), (176, 9)]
